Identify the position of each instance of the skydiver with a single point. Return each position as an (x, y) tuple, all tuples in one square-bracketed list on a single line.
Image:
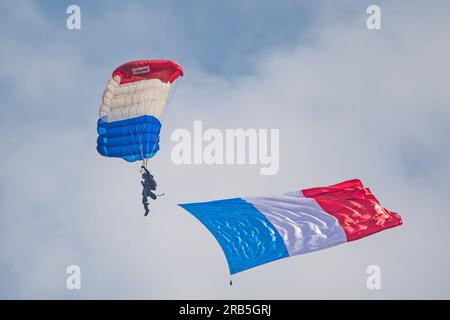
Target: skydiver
[(148, 186)]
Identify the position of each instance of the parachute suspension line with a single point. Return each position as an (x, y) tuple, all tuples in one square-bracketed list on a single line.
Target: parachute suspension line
[(145, 162)]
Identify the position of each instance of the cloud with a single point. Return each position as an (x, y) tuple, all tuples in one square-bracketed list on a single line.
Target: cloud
[(349, 103)]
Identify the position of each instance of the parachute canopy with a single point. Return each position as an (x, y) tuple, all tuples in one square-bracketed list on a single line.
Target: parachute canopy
[(133, 102), (257, 230)]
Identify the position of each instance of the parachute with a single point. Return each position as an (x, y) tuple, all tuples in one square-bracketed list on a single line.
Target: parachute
[(257, 230), (133, 102)]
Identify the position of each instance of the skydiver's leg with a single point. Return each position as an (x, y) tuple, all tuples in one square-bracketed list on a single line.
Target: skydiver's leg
[(145, 203), (148, 193), (152, 195)]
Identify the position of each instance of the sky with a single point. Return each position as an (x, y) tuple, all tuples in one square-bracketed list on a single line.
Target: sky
[(349, 103)]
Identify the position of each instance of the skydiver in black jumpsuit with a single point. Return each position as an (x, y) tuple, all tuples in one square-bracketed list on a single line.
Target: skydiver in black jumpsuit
[(149, 185)]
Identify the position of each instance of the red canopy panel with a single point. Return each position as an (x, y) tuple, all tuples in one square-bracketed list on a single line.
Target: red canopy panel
[(164, 70)]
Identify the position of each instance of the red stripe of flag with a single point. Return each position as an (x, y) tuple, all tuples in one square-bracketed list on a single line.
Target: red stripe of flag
[(355, 207)]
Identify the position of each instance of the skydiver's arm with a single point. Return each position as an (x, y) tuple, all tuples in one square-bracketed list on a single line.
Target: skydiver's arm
[(145, 169)]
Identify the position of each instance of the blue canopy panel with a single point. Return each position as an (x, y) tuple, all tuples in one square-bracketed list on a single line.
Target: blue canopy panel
[(246, 236), (130, 139)]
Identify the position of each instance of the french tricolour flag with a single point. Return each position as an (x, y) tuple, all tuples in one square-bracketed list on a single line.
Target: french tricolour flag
[(256, 230)]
